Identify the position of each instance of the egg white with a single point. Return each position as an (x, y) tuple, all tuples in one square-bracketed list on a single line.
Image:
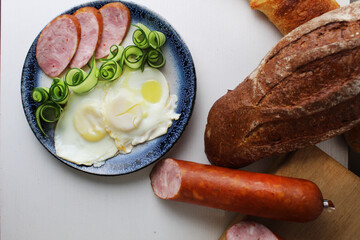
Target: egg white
[(130, 118), (69, 144)]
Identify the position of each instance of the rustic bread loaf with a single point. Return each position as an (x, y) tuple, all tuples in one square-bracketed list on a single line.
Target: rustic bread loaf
[(353, 138), (289, 14), (305, 90)]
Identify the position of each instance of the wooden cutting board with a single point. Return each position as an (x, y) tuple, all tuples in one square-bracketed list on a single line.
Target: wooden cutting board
[(336, 183)]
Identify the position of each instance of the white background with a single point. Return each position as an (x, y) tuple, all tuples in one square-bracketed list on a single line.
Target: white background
[(41, 198)]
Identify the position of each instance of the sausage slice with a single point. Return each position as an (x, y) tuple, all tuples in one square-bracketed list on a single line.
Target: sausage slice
[(257, 194), (249, 230), (116, 21), (57, 44), (91, 23)]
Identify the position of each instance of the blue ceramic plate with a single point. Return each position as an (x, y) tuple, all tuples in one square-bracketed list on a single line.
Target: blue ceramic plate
[(179, 71)]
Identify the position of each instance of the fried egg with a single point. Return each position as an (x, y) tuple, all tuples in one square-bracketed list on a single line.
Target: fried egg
[(114, 117), (80, 134), (138, 107)]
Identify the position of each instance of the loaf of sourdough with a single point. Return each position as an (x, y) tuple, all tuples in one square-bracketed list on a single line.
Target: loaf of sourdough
[(288, 14), (305, 90), (353, 138)]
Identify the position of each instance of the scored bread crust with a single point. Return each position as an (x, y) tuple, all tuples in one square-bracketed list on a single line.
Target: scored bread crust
[(305, 90), (288, 14)]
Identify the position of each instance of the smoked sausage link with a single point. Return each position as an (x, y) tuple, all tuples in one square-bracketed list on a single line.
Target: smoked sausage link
[(257, 194)]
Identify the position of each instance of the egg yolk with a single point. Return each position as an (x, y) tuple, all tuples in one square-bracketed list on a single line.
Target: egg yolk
[(151, 91), (89, 124)]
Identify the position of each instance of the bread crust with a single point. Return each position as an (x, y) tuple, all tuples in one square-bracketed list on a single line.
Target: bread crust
[(353, 138), (289, 14), (305, 90)]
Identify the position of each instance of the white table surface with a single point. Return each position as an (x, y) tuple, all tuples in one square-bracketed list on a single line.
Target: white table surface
[(41, 198)]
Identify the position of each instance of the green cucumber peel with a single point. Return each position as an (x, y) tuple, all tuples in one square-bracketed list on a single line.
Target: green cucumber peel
[(155, 58), (141, 36), (133, 56), (81, 82), (40, 94), (110, 70), (116, 54), (59, 92), (156, 39), (48, 112)]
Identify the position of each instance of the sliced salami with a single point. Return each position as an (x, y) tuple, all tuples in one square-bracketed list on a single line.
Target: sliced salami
[(57, 44), (116, 21), (91, 23), (249, 230)]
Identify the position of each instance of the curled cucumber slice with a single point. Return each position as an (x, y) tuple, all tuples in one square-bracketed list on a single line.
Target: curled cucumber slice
[(156, 39), (81, 82), (134, 57), (110, 70), (40, 94), (155, 58), (141, 36), (59, 92), (48, 112)]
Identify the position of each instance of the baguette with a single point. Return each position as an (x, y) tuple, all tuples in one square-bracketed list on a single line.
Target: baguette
[(305, 90), (289, 14)]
